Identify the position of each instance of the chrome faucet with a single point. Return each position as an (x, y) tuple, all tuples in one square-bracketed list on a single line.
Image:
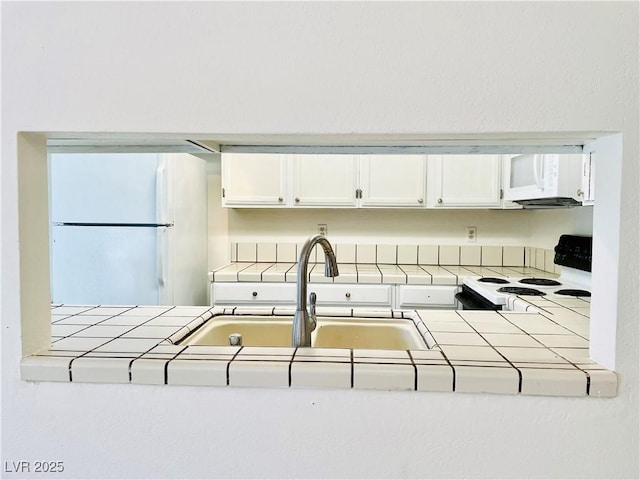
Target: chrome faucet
[(304, 322)]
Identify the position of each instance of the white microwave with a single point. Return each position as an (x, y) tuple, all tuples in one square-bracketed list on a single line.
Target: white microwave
[(544, 180)]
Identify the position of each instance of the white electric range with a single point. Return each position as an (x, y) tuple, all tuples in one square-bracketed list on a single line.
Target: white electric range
[(573, 254)]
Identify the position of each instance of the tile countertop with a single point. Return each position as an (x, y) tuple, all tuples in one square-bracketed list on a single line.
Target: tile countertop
[(540, 351), (366, 273)]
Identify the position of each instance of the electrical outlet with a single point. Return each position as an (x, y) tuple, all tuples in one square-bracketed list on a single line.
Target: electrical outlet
[(472, 234), (322, 229)]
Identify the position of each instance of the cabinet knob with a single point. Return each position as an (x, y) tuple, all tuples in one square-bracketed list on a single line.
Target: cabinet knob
[(348, 295), (297, 200), (255, 294), (280, 199), (439, 200), (420, 200), (580, 192)]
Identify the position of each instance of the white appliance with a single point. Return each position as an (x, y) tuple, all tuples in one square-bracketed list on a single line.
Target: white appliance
[(128, 229), (572, 254), (544, 180)]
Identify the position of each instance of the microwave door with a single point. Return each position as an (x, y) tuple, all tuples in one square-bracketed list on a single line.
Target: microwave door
[(525, 177)]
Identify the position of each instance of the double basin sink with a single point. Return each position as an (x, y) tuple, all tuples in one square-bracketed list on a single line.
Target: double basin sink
[(330, 332)]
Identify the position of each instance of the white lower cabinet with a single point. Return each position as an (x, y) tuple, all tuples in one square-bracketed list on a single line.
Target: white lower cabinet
[(346, 295), (253, 293), (335, 295), (426, 296)]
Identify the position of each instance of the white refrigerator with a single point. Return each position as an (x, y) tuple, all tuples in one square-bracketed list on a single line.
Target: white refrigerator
[(128, 229)]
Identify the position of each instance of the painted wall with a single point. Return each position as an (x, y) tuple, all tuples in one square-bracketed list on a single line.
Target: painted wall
[(318, 68)]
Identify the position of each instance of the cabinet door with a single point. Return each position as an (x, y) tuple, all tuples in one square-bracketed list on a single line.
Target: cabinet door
[(465, 180), (393, 180), (253, 180), (324, 180)]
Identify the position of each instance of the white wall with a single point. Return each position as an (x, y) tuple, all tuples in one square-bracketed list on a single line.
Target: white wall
[(317, 68), (548, 225)]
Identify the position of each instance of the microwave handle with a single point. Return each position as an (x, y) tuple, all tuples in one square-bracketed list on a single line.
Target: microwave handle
[(538, 170)]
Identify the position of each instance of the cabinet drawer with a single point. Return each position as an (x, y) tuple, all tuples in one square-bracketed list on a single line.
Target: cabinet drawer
[(415, 296), (353, 295), (253, 294)]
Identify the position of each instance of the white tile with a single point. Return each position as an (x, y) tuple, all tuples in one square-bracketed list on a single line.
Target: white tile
[(148, 371), (459, 338), (528, 256), (383, 376), (159, 332), (133, 345), (494, 326), (276, 272), (345, 253), (286, 252), (45, 369), (470, 255), (78, 344), (348, 273), (104, 331), (435, 378), (428, 357), (100, 370), (368, 273), (187, 311), (574, 355), (407, 254), (436, 326), (539, 258), (487, 380), (549, 266), (227, 350), (233, 252), (70, 309), (197, 372), (266, 252), (149, 312), (66, 330), (440, 275), (513, 256), (492, 256), (416, 275), (321, 374), (109, 311), (320, 354), (167, 321), (562, 341), (366, 254), (253, 273), (523, 355), (449, 255), (372, 355), (457, 352), (386, 254), (603, 383), (561, 382), (247, 252), (511, 340), (392, 274), (428, 254), (258, 373)]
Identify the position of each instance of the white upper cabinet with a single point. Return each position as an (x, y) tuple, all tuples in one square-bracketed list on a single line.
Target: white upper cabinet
[(254, 179), (324, 180), (464, 181), (393, 180)]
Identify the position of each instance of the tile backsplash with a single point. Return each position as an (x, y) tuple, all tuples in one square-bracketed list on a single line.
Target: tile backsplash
[(476, 255)]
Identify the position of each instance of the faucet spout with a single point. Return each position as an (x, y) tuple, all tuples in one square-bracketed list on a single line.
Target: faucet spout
[(302, 324)]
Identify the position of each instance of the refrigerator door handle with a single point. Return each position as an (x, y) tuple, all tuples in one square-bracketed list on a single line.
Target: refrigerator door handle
[(162, 194), (162, 260)]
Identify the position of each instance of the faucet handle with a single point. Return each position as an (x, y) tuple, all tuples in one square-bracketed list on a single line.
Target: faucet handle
[(312, 311)]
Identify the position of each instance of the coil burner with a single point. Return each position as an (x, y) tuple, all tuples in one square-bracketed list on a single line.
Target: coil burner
[(573, 292), (521, 291), (492, 280), (542, 282)]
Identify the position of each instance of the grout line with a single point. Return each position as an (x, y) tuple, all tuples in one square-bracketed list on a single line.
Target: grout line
[(166, 365), (415, 371), (229, 363)]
